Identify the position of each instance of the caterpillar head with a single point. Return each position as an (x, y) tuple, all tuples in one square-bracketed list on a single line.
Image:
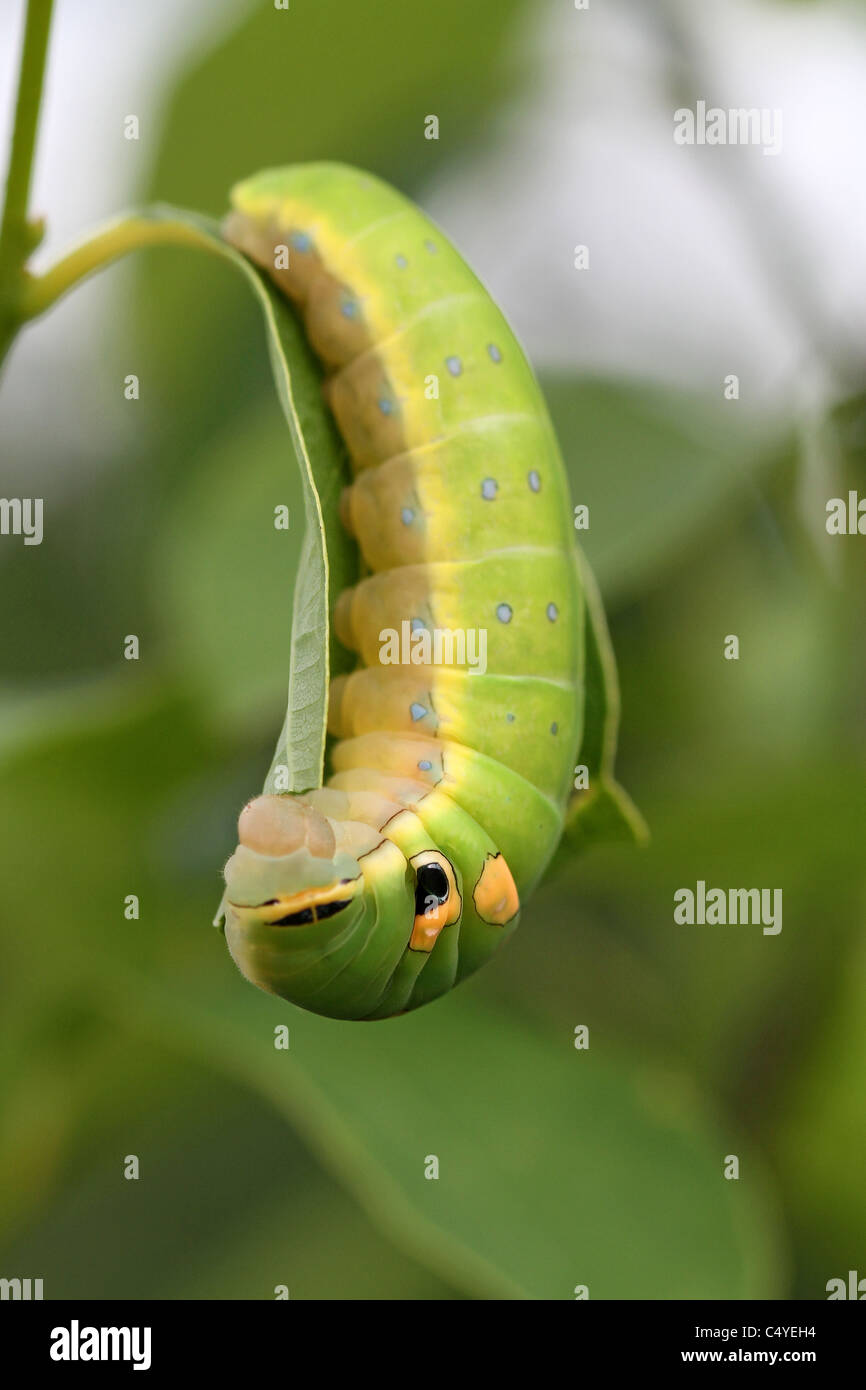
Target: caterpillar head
[(290, 895), (302, 920)]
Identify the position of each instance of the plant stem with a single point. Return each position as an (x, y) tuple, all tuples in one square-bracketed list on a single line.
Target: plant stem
[(18, 236), (131, 233)]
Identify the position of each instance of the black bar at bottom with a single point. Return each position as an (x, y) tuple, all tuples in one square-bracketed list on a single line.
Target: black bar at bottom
[(259, 1339)]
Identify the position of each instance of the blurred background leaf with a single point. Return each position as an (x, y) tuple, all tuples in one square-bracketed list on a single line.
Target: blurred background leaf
[(466, 1082), (653, 466)]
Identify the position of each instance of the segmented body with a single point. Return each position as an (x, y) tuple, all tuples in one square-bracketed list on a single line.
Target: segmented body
[(461, 511)]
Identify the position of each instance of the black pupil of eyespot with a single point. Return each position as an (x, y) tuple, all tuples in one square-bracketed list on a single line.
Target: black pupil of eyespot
[(431, 883)]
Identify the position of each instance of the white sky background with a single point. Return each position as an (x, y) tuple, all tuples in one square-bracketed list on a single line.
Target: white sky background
[(678, 289), (678, 286), (107, 59)]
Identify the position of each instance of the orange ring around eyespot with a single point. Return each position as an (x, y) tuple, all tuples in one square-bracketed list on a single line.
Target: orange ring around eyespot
[(427, 925), (426, 928)]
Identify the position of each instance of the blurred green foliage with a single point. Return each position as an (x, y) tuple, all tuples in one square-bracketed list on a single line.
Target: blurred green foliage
[(558, 1167)]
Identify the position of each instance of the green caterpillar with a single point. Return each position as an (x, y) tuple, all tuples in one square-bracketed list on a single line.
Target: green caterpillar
[(381, 890)]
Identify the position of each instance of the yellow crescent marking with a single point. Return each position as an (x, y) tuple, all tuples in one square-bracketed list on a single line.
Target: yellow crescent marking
[(495, 895), (310, 897)]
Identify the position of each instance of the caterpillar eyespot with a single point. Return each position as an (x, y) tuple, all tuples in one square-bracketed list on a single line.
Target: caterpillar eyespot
[(448, 791)]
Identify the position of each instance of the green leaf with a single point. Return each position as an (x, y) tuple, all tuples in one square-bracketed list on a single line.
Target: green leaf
[(602, 811), (301, 745), (605, 813)]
